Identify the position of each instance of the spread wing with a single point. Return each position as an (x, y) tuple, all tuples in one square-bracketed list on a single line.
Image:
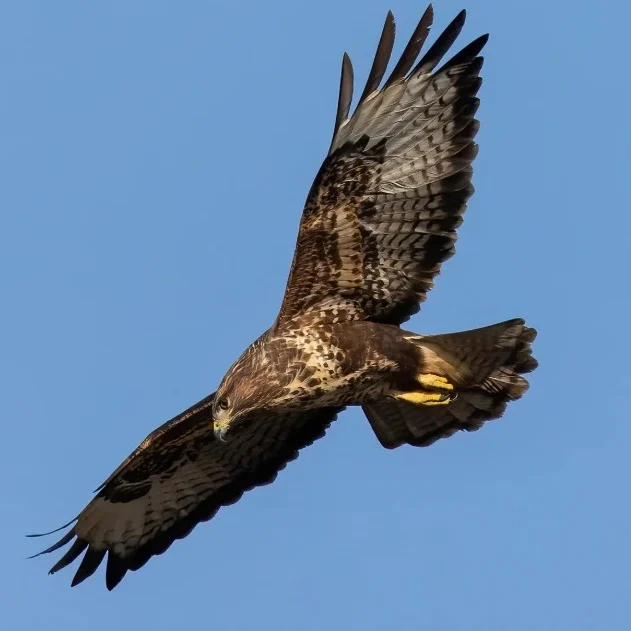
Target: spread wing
[(179, 476), (382, 213)]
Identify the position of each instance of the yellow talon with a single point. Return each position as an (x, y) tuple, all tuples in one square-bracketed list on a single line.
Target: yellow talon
[(424, 398), (434, 381)]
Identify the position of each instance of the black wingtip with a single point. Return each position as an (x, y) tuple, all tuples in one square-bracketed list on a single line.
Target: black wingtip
[(90, 562), (444, 42), (381, 59), (114, 572), (468, 54), (413, 47), (71, 554), (52, 532), (59, 544), (346, 92), (429, 12)]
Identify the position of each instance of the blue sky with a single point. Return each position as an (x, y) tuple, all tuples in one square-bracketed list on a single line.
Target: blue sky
[(155, 158)]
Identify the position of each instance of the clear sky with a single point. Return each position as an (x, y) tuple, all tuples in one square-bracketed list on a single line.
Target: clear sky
[(155, 157)]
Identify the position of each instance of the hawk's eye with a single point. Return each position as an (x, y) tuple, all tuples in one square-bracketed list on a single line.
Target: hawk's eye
[(222, 404)]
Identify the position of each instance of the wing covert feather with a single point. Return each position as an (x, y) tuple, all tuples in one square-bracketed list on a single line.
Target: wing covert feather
[(382, 214)]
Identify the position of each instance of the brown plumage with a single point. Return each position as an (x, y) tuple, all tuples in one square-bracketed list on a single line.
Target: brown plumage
[(379, 221)]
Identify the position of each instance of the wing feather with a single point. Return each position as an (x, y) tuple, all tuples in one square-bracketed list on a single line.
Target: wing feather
[(346, 93), (178, 477), (413, 48), (442, 44), (382, 214), (382, 57)]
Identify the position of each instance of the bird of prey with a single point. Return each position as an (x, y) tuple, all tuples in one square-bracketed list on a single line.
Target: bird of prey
[(379, 221)]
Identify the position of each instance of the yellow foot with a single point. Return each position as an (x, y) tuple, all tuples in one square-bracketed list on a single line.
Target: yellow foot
[(434, 381), (424, 398)]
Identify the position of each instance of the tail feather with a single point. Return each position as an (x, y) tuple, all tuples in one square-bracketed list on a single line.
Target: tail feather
[(485, 365)]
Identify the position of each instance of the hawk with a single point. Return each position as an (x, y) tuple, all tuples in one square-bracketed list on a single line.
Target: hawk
[(379, 221)]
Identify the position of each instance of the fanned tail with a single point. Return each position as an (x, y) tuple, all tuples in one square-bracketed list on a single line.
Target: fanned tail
[(486, 367)]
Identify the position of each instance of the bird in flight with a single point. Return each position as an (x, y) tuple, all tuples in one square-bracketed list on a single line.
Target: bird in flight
[(380, 219)]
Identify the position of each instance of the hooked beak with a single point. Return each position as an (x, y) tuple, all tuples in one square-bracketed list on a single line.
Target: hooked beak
[(219, 432)]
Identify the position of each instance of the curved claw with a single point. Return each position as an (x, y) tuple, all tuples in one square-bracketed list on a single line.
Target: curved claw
[(424, 398), (434, 381)]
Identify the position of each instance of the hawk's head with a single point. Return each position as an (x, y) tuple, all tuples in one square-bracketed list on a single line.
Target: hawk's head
[(256, 381), (238, 394)]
